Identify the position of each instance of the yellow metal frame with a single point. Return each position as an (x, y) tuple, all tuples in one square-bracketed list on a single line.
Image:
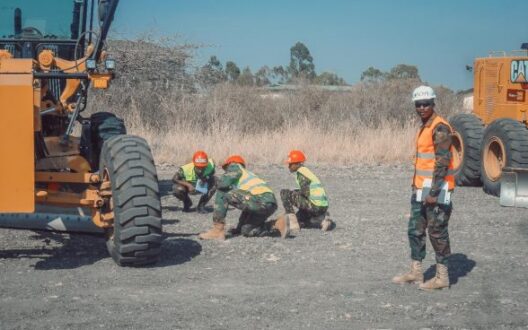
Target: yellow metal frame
[(91, 197), (20, 105), (493, 89), (17, 126)]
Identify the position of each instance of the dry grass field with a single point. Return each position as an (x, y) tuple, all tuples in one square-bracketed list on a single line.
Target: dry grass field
[(164, 101)]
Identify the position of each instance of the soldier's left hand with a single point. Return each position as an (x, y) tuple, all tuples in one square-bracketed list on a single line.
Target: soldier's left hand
[(430, 200)]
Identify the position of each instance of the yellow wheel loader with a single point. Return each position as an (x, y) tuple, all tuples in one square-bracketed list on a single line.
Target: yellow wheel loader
[(51, 55), (492, 141)]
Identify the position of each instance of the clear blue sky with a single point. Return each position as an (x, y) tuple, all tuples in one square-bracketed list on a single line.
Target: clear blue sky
[(345, 37)]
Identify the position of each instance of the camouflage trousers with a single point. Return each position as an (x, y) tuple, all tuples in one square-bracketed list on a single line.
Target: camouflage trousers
[(255, 210), (435, 220), (182, 193), (308, 214)]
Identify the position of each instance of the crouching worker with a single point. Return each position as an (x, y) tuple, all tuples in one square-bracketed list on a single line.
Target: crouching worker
[(250, 194), (310, 198), (196, 177)]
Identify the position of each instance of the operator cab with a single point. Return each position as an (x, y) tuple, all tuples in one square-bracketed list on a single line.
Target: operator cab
[(27, 27)]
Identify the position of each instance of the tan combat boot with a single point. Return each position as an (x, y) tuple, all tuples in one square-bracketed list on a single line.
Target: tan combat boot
[(440, 281), (294, 223), (217, 232), (415, 275), (282, 224), (327, 224)]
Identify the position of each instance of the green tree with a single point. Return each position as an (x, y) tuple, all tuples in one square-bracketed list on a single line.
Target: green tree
[(212, 72), (246, 77), (262, 76), (403, 71), (280, 73), (372, 74), (329, 79), (232, 71), (301, 62)]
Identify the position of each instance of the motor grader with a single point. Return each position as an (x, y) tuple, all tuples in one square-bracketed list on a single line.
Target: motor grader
[(102, 180), (492, 141)]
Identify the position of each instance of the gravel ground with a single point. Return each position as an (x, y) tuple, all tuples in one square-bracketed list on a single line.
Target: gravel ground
[(337, 280)]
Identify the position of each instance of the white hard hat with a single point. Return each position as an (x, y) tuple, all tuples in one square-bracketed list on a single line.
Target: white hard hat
[(423, 93)]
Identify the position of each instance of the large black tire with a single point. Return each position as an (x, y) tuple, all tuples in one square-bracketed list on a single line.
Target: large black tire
[(467, 139), (505, 143), (103, 126), (135, 239)]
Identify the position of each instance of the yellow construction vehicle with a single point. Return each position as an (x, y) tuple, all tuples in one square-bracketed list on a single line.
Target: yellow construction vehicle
[(492, 141), (51, 54)]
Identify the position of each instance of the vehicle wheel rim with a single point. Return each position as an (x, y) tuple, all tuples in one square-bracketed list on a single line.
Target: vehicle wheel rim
[(458, 155), (494, 158)]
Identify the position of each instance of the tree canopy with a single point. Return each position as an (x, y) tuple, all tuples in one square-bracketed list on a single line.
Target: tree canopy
[(400, 71), (301, 67), (301, 62), (232, 71)]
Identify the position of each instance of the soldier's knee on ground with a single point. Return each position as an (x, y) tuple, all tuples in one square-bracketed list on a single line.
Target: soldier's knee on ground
[(315, 221), (252, 231), (303, 218)]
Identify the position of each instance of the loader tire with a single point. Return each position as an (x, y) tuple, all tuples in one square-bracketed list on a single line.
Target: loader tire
[(103, 126), (505, 143), (467, 138), (135, 239)]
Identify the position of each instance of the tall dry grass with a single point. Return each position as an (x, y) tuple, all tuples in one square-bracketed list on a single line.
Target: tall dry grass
[(372, 123), (341, 146)]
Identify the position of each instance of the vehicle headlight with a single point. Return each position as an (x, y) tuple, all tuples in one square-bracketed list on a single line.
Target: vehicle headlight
[(110, 64), (91, 64)]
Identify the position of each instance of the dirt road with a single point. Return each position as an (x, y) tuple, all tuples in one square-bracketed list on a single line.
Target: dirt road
[(337, 280)]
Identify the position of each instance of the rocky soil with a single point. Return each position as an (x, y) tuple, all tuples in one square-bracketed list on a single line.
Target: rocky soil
[(338, 280)]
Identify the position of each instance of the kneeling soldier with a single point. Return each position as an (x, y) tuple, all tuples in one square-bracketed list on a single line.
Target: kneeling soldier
[(310, 198), (195, 177), (250, 194)]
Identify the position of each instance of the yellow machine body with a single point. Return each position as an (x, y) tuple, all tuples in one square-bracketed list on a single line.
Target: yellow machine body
[(19, 99), (501, 88)]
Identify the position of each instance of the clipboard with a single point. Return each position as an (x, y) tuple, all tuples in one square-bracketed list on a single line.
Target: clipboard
[(201, 187), (443, 198)]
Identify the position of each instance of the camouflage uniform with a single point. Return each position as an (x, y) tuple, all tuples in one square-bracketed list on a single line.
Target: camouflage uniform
[(308, 214), (435, 217), (182, 193), (255, 208)]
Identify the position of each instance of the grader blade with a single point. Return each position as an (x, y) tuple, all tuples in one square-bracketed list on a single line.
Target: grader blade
[(514, 187), (52, 219)]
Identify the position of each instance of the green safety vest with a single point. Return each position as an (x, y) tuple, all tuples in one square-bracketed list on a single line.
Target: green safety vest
[(251, 183), (190, 173), (317, 192)]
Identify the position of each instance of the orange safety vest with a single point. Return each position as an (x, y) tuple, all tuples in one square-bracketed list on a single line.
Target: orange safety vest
[(425, 155)]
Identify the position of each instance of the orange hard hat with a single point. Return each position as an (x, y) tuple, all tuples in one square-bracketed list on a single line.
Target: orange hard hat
[(234, 159), (296, 156), (200, 159)]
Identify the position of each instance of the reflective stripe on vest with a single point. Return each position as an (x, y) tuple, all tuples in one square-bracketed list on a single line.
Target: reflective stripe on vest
[(190, 173), (251, 183), (425, 155), (317, 192)]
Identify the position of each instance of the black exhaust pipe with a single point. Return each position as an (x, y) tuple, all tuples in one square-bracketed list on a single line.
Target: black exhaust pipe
[(18, 22)]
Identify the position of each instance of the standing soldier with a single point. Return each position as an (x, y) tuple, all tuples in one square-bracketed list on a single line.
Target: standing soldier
[(433, 184), (195, 177), (245, 191), (310, 198)]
